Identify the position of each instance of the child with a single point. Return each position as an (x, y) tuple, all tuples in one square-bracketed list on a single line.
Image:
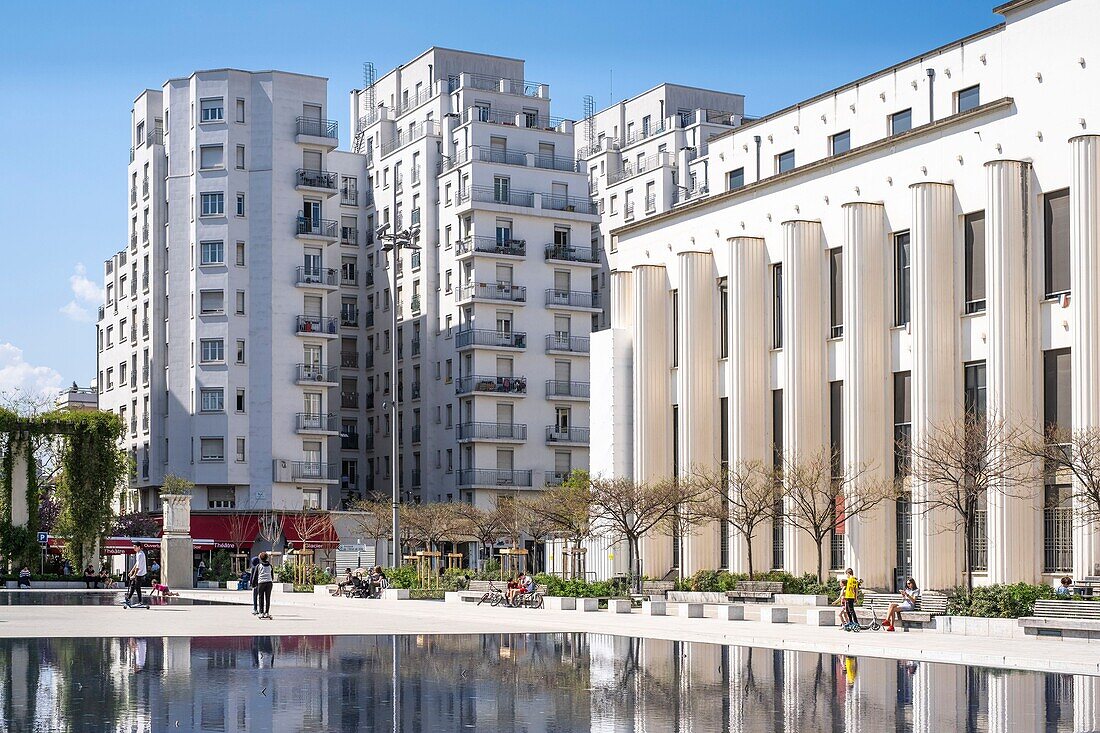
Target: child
[(160, 589), (848, 594)]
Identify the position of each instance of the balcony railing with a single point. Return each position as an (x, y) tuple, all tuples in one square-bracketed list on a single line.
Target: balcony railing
[(500, 155), (349, 440), (349, 400), (316, 373), (414, 346), (415, 100), (369, 322), (133, 426), (555, 162), (493, 477), (349, 316), (133, 241), (628, 211), (414, 258), (144, 326), (349, 360), (496, 84), (558, 434), (572, 298), (500, 195), (651, 203), (564, 342), (493, 291), (348, 276), (349, 235), (414, 390), (317, 324), (315, 275), (145, 374), (316, 422), (569, 253), (491, 431), (145, 429), (317, 179), (515, 118), (492, 245), (370, 277), (564, 388), (145, 187), (568, 203), (325, 228), (406, 136), (314, 470), (349, 196), (317, 127), (415, 434), (555, 478), (133, 195), (489, 337), (488, 383)]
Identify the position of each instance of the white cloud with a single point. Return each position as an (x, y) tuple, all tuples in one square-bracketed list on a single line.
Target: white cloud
[(17, 375), (87, 295)]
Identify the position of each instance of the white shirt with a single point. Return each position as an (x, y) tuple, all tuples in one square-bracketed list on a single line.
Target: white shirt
[(139, 563)]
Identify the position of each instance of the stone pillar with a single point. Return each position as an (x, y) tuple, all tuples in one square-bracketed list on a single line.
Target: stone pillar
[(749, 396), (868, 431), (804, 366), (19, 512), (1084, 244), (176, 550), (652, 397), (697, 368), (1014, 513), (935, 366), (622, 299)]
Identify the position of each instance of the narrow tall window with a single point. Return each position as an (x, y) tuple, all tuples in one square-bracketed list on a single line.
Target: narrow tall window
[(723, 320), (836, 447), (901, 121), (902, 283), (724, 457), (974, 261), (967, 99), (777, 306), (777, 463), (903, 422), (675, 328), (1057, 393), (974, 389), (1056, 242), (836, 293)]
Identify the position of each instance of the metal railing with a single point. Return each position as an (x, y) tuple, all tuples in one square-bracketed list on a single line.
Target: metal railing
[(1057, 539), (314, 470), (415, 434), (349, 196), (349, 235), (348, 276), (145, 374), (497, 155), (349, 440), (555, 162), (491, 431), (555, 478), (317, 127), (564, 342), (316, 373), (568, 203), (492, 245), (628, 211), (508, 196), (496, 84), (414, 304), (133, 241), (349, 315), (493, 477), (488, 383), (559, 434), (979, 543), (489, 337), (651, 203), (414, 347), (370, 277), (415, 100), (316, 324), (315, 275), (642, 134), (572, 298), (516, 118), (324, 228), (349, 360), (368, 322), (316, 179), (349, 400), (329, 423), (493, 291), (144, 326), (145, 429), (133, 195), (565, 388), (407, 135)]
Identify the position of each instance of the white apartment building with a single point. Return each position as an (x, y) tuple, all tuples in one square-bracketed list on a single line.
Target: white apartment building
[(222, 361), (869, 262)]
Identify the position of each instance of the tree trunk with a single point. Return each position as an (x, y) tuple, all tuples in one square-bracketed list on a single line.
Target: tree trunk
[(968, 535), (819, 541), (748, 541), (635, 563)]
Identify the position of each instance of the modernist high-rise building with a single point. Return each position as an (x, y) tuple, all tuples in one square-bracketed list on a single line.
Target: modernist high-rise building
[(869, 263)]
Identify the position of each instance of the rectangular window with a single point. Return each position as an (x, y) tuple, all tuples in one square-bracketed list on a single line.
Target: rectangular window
[(836, 447), (212, 350), (240, 157), (1056, 242), (213, 204), (240, 204), (723, 320), (212, 400), (836, 293), (967, 99), (240, 351), (735, 179), (212, 110), (784, 162), (240, 110), (211, 253), (212, 449), (903, 422), (777, 306), (240, 302), (675, 328), (974, 261), (211, 156), (841, 142), (240, 400), (901, 279), (777, 465), (1057, 394), (974, 390), (901, 121), (240, 254), (211, 301), (240, 450), (1057, 529)]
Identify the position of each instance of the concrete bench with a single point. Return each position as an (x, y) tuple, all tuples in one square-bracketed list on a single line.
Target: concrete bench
[(690, 610), (619, 605), (653, 608), (725, 611), (773, 614), (818, 616), (587, 605), (560, 603), (682, 596), (1066, 619), (395, 594), (755, 590)]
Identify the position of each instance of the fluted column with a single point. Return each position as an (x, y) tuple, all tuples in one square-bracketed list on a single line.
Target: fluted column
[(622, 299), (1086, 702), (1012, 519), (652, 397), (697, 367), (867, 432), (748, 378), (1084, 244), (935, 363), (804, 366)]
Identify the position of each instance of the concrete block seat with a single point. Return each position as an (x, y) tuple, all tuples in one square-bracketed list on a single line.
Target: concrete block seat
[(773, 614), (653, 608), (725, 611)]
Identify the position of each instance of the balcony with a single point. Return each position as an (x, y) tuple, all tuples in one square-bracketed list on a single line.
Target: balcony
[(315, 181), (316, 374), (567, 253), (501, 195), (516, 386), (558, 434), (556, 478), (487, 337), (493, 477), (491, 246), (568, 203), (349, 236), (512, 118), (315, 131), (349, 441), (322, 229), (307, 422), (313, 471), (349, 400), (349, 316), (558, 388), (579, 299), (324, 326), (349, 360), (406, 136), (315, 277), (503, 432), (415, 434), (414, 346), (495, 84), (555, 162), (492, 291), (500, 155), (564, 343)]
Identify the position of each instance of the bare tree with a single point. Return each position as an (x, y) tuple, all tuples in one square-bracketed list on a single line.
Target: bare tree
[(271, 527), (742, 497), (311, 526), (373, 518), (1072, 454), (241, 529), (821, 493), (513, 516), (630, 509), (960, 463), (482, 525), (432, 523), (565, 512)]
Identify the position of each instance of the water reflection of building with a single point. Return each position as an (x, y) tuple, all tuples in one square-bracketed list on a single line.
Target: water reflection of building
[(535, 683)]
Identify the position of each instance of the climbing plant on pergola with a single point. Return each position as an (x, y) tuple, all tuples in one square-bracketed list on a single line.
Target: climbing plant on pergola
[(92, 470)]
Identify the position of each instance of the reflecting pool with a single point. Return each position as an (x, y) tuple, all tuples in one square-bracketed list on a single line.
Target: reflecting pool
[(88, 598), (536, 683)]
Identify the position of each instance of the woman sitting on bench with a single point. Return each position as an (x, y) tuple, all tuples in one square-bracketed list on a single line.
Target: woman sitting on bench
[(910, 596)]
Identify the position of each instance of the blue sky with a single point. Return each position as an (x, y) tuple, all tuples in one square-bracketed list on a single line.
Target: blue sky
[(70, 71)]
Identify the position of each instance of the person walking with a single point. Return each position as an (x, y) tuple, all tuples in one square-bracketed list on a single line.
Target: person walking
[(137, 574), (254, 581), (848, 593), (265, 578)]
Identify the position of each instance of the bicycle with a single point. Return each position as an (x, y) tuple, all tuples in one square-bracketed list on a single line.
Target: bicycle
[(494, 597)]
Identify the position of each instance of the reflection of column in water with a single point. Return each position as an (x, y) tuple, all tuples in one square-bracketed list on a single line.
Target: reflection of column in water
[(869, 704), (736, 666), (1086, 702), (1015, 701), (657, 700), (939, 698), (701, 708), (792, 697)]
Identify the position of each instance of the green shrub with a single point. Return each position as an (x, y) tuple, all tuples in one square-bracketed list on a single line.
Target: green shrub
[(576, 588), (402, 577), (720, 581), (998, 601)]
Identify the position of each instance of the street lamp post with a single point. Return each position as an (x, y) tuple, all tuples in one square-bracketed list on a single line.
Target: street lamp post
[(393, 243)]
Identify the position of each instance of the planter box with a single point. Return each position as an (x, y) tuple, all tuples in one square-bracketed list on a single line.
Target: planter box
[(773, 614), (559, 603), (791, 599), (282, 588), (209, 584), (821, 616), (653, 608), (395, 594), (619, 605), (586, 604), (997, 628), (724, 611), (682, 596)]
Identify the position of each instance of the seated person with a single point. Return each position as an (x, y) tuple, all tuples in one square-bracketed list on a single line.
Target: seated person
[(513, 589), (527, 583), (91, 577), (342, 586), (25, 577), (1065, 588), (242, 582), (910, 595), (381, 583)]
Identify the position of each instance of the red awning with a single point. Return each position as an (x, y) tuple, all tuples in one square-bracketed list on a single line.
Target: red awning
[(224, 531), (112, 545), (318, 530)]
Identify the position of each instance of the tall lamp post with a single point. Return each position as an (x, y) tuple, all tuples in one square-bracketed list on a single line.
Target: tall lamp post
[(393, 243)]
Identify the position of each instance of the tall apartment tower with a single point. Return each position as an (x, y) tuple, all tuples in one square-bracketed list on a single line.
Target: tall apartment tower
[(495, 307), (237, 199)]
